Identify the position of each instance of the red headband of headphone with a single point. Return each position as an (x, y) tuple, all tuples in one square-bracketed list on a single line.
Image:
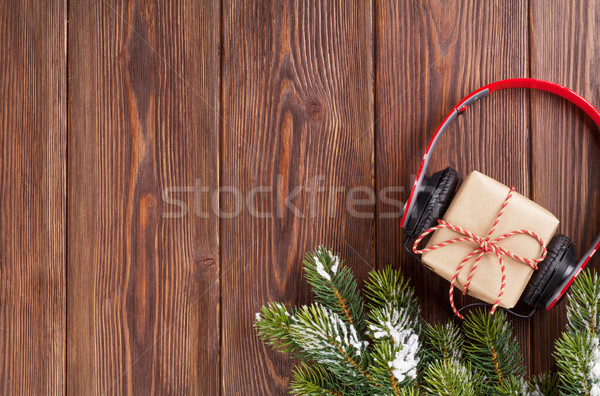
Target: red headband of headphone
[(461, 107)]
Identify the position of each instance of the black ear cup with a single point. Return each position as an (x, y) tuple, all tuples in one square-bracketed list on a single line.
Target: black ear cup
[(433, 199), (556, 267)]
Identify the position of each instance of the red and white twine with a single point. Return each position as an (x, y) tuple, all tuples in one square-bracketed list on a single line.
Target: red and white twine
[(486, 245)]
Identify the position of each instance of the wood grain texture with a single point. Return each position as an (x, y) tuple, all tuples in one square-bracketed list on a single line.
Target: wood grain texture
[(566, 144), (143, 292), (429, 55), (297, 99), (136, 113), (32, 196)]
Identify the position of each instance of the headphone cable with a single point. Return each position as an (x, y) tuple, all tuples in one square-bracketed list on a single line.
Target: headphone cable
[(482, 304)]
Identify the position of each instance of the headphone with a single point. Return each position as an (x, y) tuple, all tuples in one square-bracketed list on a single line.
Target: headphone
[(431, 196)]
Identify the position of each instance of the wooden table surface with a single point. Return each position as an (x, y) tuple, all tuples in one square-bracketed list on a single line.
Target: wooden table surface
[(165, 165)]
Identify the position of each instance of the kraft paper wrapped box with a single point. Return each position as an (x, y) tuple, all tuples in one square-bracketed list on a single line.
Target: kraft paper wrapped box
[(475, 208)]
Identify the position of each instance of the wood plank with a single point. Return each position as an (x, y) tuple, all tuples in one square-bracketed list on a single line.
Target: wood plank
[(297, 99), (430, 55), (143, 291), (566, 144), (32, 193)]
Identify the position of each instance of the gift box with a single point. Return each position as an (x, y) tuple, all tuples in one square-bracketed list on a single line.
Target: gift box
[(476, 208)]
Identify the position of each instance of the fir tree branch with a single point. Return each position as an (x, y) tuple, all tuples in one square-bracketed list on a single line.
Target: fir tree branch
[(350, 360), (329, 340), (577, 352), (443, 342), (394, 383), (409, 391), (394, 329), (328, 335), (583, 310), (491, 348), (511, 386), (451, 378), (578, 357), (334, 286), (315, 380), (394, 365), (274, 327), (545, 384), (494, 356), (387, 287)]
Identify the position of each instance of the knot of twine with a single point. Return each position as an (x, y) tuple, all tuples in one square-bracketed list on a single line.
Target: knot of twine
[(486, 245)]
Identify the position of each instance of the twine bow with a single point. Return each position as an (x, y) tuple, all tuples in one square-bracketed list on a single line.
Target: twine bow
[(486, 245)]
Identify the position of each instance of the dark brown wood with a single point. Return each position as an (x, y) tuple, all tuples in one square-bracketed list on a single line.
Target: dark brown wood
[(565, 144), (430, 55), (32, 195), (143, 289), (297, 105), (132, 112)]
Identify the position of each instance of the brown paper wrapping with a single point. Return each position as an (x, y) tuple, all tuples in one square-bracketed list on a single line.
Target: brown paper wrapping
[(475, 208)]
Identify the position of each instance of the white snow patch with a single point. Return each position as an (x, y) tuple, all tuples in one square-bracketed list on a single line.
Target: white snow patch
[(594, 367), (406, 360), (336, 261), (343, 336), (395, 325), (321, 269), (354, 341)]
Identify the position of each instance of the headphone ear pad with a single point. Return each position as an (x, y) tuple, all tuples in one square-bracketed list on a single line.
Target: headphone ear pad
[(536, 287), (441, 197)]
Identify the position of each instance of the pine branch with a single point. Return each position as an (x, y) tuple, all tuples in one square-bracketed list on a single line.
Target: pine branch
[(394, 367), (491, 348), (402, 359), (578, 357), (334, 286), (388, 287), (451, 378), (315, 380), (583, 311), (512, 386), (544, 385), (408, 391), (394, 328), (274, 327), (443, 342), (577, 352), (384, 352), (327, 339)]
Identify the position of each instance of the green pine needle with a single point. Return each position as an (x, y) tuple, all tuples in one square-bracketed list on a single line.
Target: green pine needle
[(578, 357), (315, 380), (544, 384), (451, 378), (443, 342), (512, 386), (394, 328), (388, 286), (407, 391), (274, 327), (583, 311), (491, 348), (386, 351), (334, 285), (327, 339), (391, 380)]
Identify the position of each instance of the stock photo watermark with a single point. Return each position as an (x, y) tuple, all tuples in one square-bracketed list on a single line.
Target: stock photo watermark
[(279, 200)]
